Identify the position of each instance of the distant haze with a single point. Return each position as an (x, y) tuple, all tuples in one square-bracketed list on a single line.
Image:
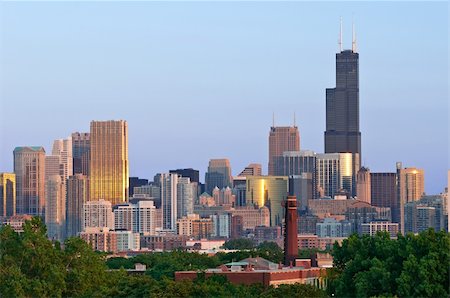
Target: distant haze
[(201, 80)]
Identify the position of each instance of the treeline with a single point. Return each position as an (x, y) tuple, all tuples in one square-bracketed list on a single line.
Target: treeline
[(411, 266), (33, 266)]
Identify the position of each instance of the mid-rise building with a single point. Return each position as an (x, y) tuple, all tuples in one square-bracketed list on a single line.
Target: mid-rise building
[(330, 227), (373, 227), (252, 216), (29, 167), (98, 214), (109, 161), (16, 222), (221, 225), (239, 190), (302, 187), (151, 190), (100, 239), (137, 218), (136, 182), (253, 169), (77, 195), (7, 194), (420, 215), (190, 173), (269, 191), (223, 196), (282, 139), (360, 213), (218, 175), (127, 241)]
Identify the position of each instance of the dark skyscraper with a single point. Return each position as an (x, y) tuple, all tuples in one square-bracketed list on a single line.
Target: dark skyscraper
[(81, 147), (342, 106)]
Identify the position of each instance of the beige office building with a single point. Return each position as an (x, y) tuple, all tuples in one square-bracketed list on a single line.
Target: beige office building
[(7, 194), (29, 167), (269, 191), (363, 191), (282, 139), (109, 161), (411, 188)]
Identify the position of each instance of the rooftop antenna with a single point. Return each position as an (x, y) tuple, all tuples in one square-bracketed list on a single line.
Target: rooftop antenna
[(353, 38), (340, 36), (273, 119), (294, 121)]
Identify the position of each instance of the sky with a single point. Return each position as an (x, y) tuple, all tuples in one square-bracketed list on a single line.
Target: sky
[(200, 80)]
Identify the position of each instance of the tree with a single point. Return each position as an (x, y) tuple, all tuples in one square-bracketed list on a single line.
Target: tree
[(240, 243)]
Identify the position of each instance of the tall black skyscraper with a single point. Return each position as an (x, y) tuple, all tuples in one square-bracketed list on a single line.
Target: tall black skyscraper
[(342, 106)]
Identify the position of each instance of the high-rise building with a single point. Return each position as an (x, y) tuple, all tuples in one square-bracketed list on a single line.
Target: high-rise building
[(269, 191), (77, 195), (253, 169), (136, 182), (7, 194), (301, 186), (335, 172), (55, 211), (190, 173), (63, 149), (81, 148), (281, 139), (219, 174), (109, 161), (411, 188), (342, 106), (423, 214), (169, 200), (138, 218), (98, 214), (185, 196), (239, 190), (383, 193), (29, 167), (363, 191)]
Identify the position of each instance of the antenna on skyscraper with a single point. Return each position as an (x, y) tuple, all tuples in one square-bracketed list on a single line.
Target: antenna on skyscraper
[(273, 119), (294, 120), (340, 36), (353, 38)]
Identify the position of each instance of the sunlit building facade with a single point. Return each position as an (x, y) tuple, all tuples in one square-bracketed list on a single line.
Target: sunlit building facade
[(109, 171), (7, 194), (268, 191), (281, 139), (55, 211), (29, 167), (363, 191)]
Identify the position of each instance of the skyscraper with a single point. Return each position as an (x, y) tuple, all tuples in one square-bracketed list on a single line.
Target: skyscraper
[(169, 183), (77, 195), (7, 194), (81, 148), (63, 149), (253, 169), (185, 196), (29, 167), (383, 193), (55, 211), (282, 139), (109, 161), (363, 191), (342, 106), (219, 174)]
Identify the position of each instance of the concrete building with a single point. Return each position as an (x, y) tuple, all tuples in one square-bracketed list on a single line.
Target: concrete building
[(252, 217), (363, 189), (383, 193), (29, 167), (218, 175), (239, 190), (330, 227), (373, 227), (268, 191), (169, 200), (420, 215), (136, 182), (190, 173), (16, 222), (100, 239), (237, 226), (77, 195), (81, 150), (7, 194), (411, 186), (185, 196), (223, 196), (268, 234), (153, 191), (109, 161), (221, 225), (282, 139), (253, 169), (127, 241), (55, 213), (138, 218), (163, 243), (98, 214), (63, 149), (302, 187)]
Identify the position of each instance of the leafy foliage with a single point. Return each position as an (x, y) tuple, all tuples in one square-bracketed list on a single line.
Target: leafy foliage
[(240, 243), (411, 266)]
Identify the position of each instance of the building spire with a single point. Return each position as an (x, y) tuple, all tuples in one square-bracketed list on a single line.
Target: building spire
[(353, 38), (273, 119), (295, 124), (340, 36)]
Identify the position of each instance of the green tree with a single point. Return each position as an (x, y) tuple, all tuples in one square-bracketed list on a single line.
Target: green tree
[(240, 243)]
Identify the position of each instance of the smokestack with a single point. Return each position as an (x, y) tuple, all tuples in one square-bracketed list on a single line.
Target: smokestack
[(290, 231)]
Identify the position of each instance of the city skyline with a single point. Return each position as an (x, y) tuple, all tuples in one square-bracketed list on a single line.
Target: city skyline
[(224, 125)]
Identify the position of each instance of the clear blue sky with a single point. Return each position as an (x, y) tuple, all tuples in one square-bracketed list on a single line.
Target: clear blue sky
[(200, 80)]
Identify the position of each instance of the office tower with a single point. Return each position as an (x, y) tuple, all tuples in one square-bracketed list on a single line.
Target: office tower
[(410, 188), (221, 225), (7, 194), (363, 192), (29, 167), (136, 182), (301, 186), (239, 190), (342, 106), (420, 215), (81, 148), (335, 172), (77, 194), (150, 190), (252, 216), (330, 227), (55, 211), (269, 191), (98, 214), (253, 169), (190, 173), (109, 161), (185, 196), (383, 193), (63, 149), (52, 166), (219, 174), (138, 218), (290, 231), (297, 163), (359, 213), (169, 200), (282, 139)]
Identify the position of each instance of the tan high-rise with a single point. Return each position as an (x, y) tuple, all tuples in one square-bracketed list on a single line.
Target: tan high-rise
[(282, 139), (363, 184), (109, 161), (412, 187)]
